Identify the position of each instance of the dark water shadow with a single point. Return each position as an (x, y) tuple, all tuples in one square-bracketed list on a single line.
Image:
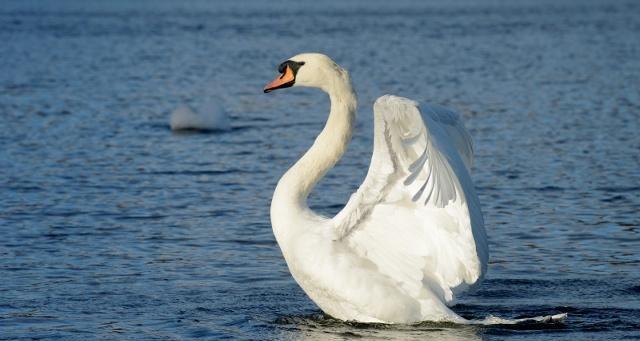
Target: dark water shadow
[(320, 326)]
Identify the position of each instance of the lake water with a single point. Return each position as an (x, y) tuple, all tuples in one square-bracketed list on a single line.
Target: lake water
[(113, 227)]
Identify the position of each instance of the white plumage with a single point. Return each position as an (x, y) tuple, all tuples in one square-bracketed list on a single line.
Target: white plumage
[(410, 238), (423, 227)]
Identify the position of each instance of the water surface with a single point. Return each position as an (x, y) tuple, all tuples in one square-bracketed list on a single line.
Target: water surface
[(114, 227)]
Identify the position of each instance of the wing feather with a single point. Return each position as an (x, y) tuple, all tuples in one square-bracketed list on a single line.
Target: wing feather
[(416, 215)]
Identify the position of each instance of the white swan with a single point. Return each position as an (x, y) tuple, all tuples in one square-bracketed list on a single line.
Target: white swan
[(411, 237), (208, 116)]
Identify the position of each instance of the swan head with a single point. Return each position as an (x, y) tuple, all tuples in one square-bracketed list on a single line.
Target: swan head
[(314, 70)]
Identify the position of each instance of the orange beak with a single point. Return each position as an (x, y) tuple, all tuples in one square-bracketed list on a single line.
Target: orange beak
[(285, 80)]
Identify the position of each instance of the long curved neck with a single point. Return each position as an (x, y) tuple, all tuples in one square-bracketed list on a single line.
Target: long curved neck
[(291, 194)]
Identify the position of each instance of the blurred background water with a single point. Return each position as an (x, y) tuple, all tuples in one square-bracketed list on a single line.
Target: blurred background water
[(113, 227)]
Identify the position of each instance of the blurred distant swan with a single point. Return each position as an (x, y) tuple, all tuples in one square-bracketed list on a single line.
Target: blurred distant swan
[(209, 116), (411, 237)]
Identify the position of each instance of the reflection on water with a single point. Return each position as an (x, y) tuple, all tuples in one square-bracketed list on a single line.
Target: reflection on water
[(321, 327)]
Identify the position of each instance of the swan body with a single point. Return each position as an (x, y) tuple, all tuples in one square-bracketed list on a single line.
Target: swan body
[(411, 237), (209, 116)]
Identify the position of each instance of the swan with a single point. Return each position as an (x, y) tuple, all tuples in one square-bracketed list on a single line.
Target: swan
[(209, 116), (411, 238)]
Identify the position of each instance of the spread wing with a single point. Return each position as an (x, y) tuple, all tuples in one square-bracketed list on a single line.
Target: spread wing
[(416, 216)]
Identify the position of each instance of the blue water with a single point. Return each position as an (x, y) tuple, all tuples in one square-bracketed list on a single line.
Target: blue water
[(113, 227)]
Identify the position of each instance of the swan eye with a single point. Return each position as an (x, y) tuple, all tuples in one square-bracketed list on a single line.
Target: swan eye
[(282, 67), (292, 64), (288, 71)]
